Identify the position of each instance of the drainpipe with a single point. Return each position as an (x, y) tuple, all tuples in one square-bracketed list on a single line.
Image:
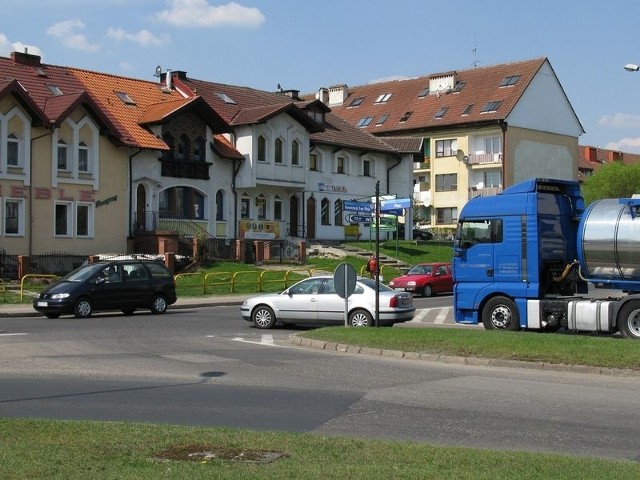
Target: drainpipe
[(503, 126), (31, 189), (235, 196), (131, 190)]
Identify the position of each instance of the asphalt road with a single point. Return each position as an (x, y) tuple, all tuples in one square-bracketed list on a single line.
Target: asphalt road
[(208, 367)]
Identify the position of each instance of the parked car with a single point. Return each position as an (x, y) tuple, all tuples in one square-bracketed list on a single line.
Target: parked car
[(124, 285), (425, 279), (314, 301), (422, 234)]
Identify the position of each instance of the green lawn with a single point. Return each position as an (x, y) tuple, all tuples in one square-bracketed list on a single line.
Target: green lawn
[(84, 450)]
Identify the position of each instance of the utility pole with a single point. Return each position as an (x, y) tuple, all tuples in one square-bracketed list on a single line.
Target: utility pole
[(377, 254)]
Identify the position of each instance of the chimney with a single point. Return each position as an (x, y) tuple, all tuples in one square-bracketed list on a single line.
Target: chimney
[(25, 58), (323, 95), (338, 94)]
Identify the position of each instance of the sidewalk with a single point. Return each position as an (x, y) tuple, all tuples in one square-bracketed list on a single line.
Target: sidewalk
[(26, 310)]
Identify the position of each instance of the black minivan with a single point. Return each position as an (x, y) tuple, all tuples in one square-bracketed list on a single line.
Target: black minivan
[(124, 285)]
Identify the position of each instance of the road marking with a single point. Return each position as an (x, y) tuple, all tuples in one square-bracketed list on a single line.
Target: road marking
[(12, 334), (442, 316), (265, 339)]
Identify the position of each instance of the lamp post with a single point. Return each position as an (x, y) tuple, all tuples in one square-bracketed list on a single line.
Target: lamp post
[(631, 67)]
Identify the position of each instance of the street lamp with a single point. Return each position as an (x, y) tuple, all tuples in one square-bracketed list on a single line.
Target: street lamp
[(631, 67)]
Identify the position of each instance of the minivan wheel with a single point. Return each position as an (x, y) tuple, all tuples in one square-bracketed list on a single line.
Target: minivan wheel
[(158, 304), (83, 308)]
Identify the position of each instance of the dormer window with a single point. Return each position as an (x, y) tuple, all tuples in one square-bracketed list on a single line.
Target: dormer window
[(509, 80), (440, 113), (491, 106), (467, 109), (406, 116), (424, 92), (384, 98), (356, 101), (126, 99), (382, 119), (364, 121), (55, 90), (458, 86)]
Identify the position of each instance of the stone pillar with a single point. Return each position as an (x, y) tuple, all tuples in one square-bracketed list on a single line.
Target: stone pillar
[(24, 268), (302, 248), (240, 250), (170, 261), (259, 248)]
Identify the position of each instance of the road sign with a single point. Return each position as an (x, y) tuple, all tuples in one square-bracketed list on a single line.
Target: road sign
[(361, 207), (395, 203), (359, 218), (344, 281)]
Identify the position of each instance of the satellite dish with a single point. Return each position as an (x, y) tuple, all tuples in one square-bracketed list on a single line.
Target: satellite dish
[(158, 71)]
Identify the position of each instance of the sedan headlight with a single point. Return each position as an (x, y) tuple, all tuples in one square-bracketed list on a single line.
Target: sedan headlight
[(58, 296)]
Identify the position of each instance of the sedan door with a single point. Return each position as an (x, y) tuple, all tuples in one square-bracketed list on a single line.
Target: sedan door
[(442, 280), (300, 302), (330, 304)]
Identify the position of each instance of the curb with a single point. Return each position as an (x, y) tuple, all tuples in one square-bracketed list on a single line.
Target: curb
[(295, 339)]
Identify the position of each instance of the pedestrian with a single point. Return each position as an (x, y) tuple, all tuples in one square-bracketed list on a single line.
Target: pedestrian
[(372, 266)]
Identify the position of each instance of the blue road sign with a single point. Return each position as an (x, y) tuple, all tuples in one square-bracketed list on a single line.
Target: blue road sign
[(361, 207)]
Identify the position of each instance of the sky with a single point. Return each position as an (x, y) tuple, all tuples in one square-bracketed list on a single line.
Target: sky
[(305, 45)]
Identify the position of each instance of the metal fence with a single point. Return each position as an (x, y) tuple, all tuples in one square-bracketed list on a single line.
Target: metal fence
[(55, 263), (8, 265)]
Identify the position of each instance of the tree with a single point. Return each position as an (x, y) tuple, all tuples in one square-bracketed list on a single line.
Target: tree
[(615, 180)]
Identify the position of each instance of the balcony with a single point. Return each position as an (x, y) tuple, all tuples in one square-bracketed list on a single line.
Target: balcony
[(183, 169), (484, 158), (424, 165), (483, 192)]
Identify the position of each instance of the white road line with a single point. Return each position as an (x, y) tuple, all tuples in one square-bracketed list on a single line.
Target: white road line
[(266, 339), (442, 316), (420, 314), (12, 334)]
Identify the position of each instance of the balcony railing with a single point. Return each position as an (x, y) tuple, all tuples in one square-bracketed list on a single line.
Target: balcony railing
[(484, 192), (484, 158), (182, 169)]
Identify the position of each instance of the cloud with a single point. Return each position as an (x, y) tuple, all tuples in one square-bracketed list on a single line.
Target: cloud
[(67, 32), (628, 145), (198, 13), (6, 47), (620, 120), (143, 37)]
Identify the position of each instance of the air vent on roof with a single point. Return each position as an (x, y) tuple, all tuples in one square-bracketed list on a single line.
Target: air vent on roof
[(54, 89), (126, 99), (226, 98)]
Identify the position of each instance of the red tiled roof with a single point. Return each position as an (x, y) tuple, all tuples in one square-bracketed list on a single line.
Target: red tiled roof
[(224, 148), (482, 85), (15, 88)]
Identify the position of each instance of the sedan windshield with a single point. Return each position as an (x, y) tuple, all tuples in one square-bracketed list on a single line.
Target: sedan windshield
[(420, 270), (371, 283)]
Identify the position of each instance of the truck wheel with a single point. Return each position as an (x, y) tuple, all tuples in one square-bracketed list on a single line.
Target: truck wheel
[(501, 313), (629, 320)]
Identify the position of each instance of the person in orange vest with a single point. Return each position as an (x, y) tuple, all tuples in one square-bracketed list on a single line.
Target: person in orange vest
[(372, 266)]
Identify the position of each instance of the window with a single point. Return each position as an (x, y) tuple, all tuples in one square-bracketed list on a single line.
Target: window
[(183, 148), (458, 86), (446, 215), (278, 151), (491, 106), (337, 212), (424, 92), (84, 219), (295, 152), (277, 208), (446, 182), (325, 212), (341, 165), (63, 163), (510, 80), (364, 121), (13, 150), (181, 202), (406, 116), (54, 89), (226, 98), (220, 216), (244, 206), (382, 119), (468, 109), (62, 220), (384, 98), (83, 157), (124, 98), (480, 231), (446, 148), (13, 217), (367, 168), (440, 113), (492, 145), (261, 206), (168, 139), (262, 149), (313, 162), (355, 102), (492, 179), (199, 150)]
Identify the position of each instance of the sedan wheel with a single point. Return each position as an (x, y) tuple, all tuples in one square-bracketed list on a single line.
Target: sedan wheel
[(427, 291), (83, 308), (360, 318), (263, 317)]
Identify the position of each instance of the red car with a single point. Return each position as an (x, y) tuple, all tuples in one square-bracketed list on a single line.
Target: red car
[(425, 279)]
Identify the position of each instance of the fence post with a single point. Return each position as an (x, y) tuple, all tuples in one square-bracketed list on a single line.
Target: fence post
[(259, 247), (240, 250), (170, 261), (302, 248), (24, 268)]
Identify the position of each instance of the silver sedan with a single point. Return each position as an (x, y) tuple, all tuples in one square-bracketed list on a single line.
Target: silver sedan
[(314, 300)]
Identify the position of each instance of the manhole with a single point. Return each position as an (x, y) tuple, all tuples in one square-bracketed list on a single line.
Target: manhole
[(203, 453)]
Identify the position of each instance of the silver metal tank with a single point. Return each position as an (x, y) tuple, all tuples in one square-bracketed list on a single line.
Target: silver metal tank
[(609, 243)]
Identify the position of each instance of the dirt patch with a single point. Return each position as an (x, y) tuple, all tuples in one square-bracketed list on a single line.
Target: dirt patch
[(206, 453)]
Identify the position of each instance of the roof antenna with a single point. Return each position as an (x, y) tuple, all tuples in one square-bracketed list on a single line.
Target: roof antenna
[(475, 51)]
